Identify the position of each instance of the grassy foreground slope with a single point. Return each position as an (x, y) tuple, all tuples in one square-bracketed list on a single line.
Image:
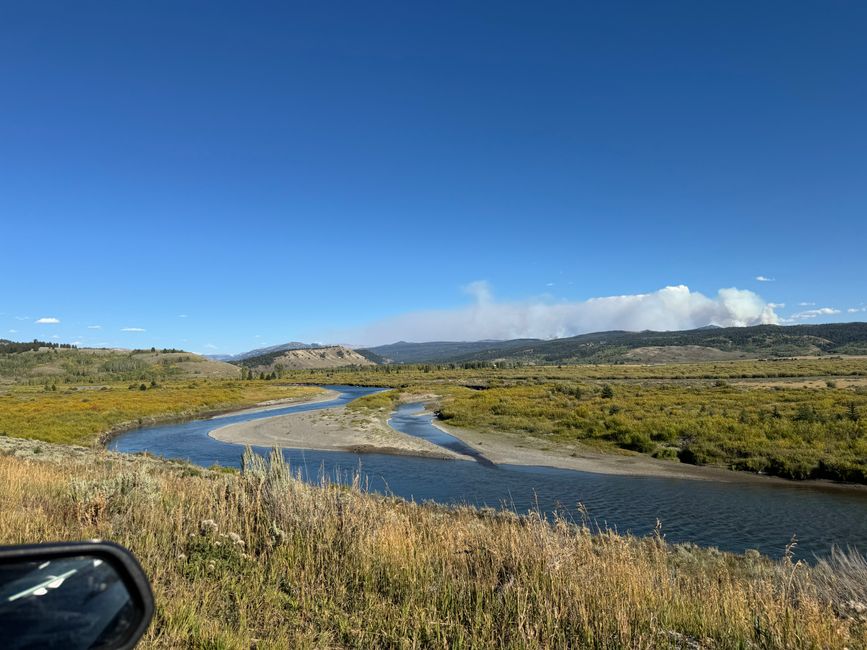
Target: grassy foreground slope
[(262, 560)]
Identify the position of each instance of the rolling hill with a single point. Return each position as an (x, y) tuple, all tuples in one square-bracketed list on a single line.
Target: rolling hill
[(333, 356), (258, 352), (44, 364)]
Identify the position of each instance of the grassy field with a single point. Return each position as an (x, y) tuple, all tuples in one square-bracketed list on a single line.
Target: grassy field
[(83, 414), (488, 374), (794, 433), (262, 560), (798, 419)]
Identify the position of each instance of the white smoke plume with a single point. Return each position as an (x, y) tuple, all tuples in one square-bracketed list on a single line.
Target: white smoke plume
[(670, 308)]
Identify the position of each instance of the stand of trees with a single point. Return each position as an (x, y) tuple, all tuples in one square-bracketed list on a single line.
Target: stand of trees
[(11, 347)]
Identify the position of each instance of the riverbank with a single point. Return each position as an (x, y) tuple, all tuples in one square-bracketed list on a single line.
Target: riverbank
[(93, 415), (512, 449), (214, 414), (330, 429), (258, 558)]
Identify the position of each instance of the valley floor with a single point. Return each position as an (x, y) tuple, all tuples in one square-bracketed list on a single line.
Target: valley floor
[(366, 431)]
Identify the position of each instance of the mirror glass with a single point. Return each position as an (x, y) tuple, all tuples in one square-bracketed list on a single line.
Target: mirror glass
[(76, 602)]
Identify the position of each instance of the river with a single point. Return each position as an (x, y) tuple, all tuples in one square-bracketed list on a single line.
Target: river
[(732, 516)]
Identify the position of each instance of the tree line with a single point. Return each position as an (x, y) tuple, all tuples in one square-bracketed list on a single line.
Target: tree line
[(11, 347)]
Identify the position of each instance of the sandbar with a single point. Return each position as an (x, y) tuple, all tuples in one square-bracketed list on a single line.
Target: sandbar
[(330, 429)]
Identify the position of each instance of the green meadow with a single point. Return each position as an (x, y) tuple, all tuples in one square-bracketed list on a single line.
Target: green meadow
[(797, 419)]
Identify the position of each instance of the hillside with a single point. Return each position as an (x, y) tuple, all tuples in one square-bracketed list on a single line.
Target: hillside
[(334, 356), (404, 352), (705, 344), (258, 352), (54, 365)]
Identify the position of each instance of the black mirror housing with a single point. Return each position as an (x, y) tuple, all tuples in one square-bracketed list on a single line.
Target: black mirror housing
[(73, 595)]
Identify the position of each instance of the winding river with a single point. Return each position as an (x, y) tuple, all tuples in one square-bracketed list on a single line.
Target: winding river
[(732, 516)]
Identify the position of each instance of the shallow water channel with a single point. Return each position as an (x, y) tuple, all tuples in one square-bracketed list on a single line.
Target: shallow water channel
[(732, 516)]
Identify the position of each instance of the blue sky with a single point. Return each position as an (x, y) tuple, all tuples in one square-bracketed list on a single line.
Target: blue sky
[(217, 176)]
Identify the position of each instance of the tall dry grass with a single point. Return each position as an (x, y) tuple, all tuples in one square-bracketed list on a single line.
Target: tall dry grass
[(260, 559)]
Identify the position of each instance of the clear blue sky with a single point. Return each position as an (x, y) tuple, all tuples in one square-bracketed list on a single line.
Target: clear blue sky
[(281, 171)]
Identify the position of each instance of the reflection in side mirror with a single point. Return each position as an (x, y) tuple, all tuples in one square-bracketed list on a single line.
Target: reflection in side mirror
[(74, 596)]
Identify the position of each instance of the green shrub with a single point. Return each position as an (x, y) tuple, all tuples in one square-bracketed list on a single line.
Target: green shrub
[(666, 453)]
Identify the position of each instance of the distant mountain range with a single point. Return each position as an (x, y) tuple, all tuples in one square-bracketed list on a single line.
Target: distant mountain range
[(403, 352), (709, 343), (703, 344)]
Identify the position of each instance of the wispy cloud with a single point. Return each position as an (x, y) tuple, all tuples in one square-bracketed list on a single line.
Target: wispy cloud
[(777, 305), (48, 321), (94, 327), (22, 318), (133, 329), (814, 313), (182, 316), (211, 346), (764, 278), (806, 304), (13, 331), (856, 310), (670, 308)]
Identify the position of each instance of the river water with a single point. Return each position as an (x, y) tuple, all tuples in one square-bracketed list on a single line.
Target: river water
[(732, 516)]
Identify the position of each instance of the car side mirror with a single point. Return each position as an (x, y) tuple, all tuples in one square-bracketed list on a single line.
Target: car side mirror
[(76, 596)]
